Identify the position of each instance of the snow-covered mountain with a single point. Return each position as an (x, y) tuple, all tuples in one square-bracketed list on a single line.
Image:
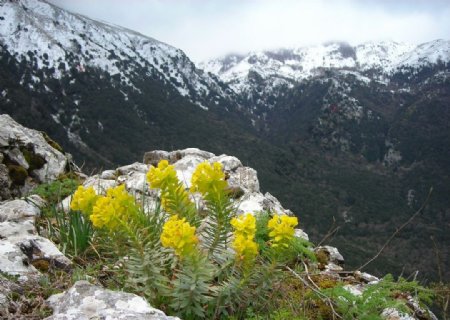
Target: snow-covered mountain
[(285, 67), (62, 40)]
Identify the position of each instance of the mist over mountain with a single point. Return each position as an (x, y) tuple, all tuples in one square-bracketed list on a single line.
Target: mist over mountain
[(350, 135)]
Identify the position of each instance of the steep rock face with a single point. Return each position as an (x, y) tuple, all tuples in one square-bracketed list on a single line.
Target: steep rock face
[(28, 157)]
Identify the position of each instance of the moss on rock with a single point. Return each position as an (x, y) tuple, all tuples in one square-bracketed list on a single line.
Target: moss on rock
[(52, 142), (17, 174), (34, 160)]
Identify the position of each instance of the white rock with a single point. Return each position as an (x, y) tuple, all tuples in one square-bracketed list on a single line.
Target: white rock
[(356, 290), (100, 185), (333, 254), (14, 229), (134, 167), (155, 156), (299, 233), (180, 154), (136, 182), (12, 260), (272, 204), (366, 277), (12, 134), (186, 167), (85, 301), (229, 163), (108, 175), (17, 210), (17, 156), (36, 248), (251, 203), (244, 178), (394, 314)]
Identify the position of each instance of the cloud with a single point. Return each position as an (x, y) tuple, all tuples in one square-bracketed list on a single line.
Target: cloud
[(205, 29)]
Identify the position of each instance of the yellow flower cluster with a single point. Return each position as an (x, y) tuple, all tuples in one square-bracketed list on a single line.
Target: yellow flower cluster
[(116, 205), (173, 194), (83, 200), (163, 176), (208, 178), (244, 237), (179, 235), (282, 229)]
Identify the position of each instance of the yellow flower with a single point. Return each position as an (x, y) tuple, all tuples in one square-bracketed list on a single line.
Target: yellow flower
[(162, 176), (244, 234), (246, 248), (116, 205), (245, 225), (83, 200), (282, 229), (208, 178), (179, 235)]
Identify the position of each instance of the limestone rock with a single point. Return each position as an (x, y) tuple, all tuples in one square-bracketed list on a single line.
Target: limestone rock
[(134, 167), (185, 167), (299, 233), (29, 157), (17, 210), (394, 314), (333, 260), (244, 178), (229, 163), (174, 156), (100, 185), (108, 175), (366, 277), (43, 251), (155, 156), (85, 301), (20, 246), (135, 182)]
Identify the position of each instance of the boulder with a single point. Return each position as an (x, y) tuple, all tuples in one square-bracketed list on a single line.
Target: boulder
[(29, 157), (329, 258), (155, 156), (22, 251), (18, 210), (176, 155), (244, 178), (85, 301), (229, 163), (134, 167)]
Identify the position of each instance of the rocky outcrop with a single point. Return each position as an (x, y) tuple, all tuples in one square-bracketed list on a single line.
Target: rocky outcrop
[(243, 181), (27, 158), (85, 301), (23, 252), (26, 254)]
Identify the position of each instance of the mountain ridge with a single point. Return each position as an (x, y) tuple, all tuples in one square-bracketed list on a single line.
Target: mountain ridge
[(358, 148)]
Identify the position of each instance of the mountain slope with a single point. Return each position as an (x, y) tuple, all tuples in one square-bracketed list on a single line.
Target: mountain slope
[(368, 129), (355, 135), (60, 40)]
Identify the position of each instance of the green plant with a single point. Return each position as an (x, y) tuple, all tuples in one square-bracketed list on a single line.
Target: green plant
[(70, 229), (387, 293), (57, 190), (181, 263)]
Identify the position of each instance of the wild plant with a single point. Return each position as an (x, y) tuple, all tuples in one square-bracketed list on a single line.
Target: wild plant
[(192, 256)]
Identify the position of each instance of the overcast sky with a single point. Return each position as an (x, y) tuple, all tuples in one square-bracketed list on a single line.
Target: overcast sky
[(209, 28)]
